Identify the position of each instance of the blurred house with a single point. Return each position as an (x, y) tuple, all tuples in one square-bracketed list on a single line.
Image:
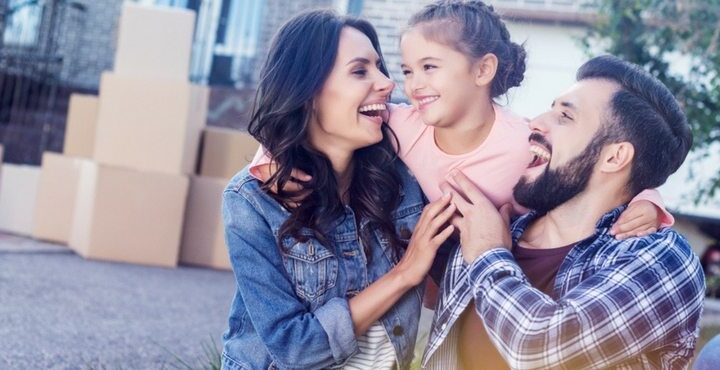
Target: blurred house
[(50, 48)]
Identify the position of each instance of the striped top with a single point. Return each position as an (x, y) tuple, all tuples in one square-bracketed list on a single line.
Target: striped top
[(375, 351)]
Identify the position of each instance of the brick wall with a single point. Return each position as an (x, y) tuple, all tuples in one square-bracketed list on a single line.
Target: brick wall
[(275, 14), (88, 41)]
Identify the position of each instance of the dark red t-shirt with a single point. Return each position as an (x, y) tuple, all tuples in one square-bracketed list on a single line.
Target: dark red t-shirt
[(475, 349)]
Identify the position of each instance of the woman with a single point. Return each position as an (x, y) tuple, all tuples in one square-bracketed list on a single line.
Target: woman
[(327, 278)]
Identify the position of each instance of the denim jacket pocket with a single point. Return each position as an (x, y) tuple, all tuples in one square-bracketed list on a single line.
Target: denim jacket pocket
[(312, 267)]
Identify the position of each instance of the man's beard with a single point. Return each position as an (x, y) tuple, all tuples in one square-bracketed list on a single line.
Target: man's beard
[(555, 187)]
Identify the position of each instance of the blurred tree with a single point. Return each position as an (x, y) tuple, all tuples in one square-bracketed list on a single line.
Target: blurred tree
[(679, 43)]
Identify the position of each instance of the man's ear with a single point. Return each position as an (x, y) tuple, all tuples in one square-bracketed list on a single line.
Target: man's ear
[(617, 157), (485, 69)]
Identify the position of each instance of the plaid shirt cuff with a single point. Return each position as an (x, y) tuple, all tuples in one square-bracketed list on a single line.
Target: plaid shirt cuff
[(489, 267)]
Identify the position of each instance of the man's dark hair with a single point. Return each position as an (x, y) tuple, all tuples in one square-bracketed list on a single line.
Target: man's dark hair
[(645, 113)]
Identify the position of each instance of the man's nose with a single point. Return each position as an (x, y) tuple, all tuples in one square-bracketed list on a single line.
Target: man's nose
[(539, 123)]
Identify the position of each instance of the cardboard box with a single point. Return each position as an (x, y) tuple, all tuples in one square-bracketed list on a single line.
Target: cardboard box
[(225, 152), (203, 241), (150, 125), (154, 42), (81, 124), (57, 192), (18, 194), (128, 216)]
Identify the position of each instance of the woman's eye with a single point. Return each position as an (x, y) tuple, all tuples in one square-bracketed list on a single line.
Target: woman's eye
[(406, 72), (360, 72)]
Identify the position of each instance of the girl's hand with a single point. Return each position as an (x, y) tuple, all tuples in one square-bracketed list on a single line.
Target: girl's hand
[(641, 218), (430, 232), (265, 171)]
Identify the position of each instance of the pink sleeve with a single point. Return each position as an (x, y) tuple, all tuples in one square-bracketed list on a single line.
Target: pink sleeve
[(653, 196), (261, 159)]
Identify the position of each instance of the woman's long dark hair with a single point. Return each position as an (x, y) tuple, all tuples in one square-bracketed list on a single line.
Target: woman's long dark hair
[(300, 59)]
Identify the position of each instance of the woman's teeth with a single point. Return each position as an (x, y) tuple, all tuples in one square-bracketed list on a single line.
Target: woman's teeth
[(372, 109)]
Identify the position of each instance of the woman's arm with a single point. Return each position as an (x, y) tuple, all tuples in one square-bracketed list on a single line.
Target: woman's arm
[(430, 232), (294, 336)]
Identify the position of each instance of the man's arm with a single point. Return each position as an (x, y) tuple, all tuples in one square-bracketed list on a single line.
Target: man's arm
[(638, 301)]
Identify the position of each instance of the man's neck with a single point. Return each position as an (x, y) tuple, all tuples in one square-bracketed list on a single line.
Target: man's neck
[(571, 221)]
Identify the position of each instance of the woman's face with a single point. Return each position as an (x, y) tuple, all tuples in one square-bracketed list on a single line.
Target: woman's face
[(350, 108)]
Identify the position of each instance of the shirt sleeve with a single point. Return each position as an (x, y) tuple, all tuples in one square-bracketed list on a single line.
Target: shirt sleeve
[(653, 196), (634, 303), (262, 158), (295, 337)]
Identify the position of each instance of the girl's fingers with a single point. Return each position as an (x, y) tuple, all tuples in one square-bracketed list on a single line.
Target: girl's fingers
[(300, 175), (647, 231), (630, 225)]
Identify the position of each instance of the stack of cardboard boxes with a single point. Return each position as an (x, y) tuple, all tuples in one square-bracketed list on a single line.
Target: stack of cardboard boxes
[(119, 190), (224, 152)]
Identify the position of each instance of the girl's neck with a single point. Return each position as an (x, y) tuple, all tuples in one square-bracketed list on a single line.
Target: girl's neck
[(467, 133)]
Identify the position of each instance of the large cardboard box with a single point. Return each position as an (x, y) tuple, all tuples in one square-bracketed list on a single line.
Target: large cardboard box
[(128, 216), (18, 193), (150, 125), (154, 42), (57, 192), (81, 124), (225, 152), (204, 233)]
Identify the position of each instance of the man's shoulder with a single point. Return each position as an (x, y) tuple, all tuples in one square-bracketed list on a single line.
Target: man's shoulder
[(666, 246)]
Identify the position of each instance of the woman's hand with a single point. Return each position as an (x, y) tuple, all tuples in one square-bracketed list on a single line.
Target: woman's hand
[(430, 232)]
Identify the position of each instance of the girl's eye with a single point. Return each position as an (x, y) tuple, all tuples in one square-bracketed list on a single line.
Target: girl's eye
[(428, 67)]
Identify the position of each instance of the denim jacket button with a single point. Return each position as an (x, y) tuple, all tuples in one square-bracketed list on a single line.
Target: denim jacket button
[(398, 330)]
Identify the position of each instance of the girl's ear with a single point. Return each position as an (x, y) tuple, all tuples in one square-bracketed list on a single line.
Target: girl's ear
[(485, 69)]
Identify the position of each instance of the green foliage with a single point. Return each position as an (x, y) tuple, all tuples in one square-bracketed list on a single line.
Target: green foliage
[(679, 43)]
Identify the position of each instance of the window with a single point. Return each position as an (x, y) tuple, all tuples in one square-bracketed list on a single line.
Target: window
[(22, 22)]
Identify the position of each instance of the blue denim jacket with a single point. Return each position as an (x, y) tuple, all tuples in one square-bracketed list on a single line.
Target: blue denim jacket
[(290, 309)]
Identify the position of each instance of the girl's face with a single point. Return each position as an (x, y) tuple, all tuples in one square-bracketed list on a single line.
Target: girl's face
[(440, 81), (349, 110)]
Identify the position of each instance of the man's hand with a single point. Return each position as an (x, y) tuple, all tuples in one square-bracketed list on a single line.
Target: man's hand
[(640, 218), (481, 226)]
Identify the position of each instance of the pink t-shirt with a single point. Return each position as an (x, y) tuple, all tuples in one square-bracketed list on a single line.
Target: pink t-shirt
[(495, 166)]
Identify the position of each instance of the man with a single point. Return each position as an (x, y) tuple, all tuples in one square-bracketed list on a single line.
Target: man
[(557, 290)]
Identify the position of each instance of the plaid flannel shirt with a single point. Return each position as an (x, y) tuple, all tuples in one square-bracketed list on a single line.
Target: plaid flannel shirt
[(631, 303)]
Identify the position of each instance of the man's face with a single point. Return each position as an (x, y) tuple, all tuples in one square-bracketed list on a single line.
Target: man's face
[(566, 143)]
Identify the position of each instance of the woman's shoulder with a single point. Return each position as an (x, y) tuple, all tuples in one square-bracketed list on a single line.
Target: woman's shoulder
[(243, 182)]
